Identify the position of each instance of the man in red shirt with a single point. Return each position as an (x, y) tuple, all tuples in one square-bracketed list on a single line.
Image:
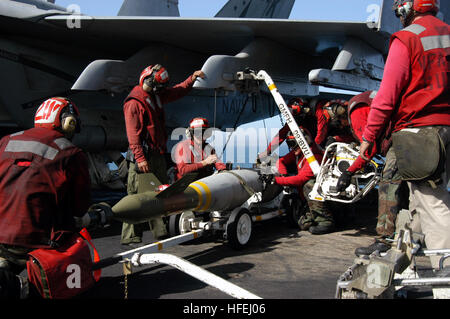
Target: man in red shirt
[(392, 192), (194, 154), (304, 114), (147, 136), (318, 118), (332, 123), (44, 183), (414, 93), (319, 219)]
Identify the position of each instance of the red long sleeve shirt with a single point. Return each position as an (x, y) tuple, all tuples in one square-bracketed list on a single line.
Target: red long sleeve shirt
[(395, 78), (188, 157), (322, 123), (414, 90), (359, 121), (304, 172), (136, 115), (315, 125)]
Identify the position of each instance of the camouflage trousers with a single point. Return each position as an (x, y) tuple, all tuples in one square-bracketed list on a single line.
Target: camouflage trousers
[(13, 258), (132, 233), (318, 213), (392, 196)]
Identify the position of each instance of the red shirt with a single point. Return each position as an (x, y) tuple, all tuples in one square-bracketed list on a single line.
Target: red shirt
[(44, 183), (315, 125), (358, 122), (189, 155), (145, 117), (323, 120), (414, 90), (323, 127), (304, 172)]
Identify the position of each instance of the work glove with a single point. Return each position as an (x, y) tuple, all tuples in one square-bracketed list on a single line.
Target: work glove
[(330, 140), (267, 179), (98, 216), (261, 157), (344, 181)]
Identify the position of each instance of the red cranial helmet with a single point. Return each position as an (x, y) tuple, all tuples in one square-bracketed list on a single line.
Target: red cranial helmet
[(58, 113), (200, 125), (298, 106), (154, 76), (404, 8)]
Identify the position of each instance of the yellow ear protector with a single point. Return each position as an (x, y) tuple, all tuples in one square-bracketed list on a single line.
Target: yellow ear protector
[(70, 123), (336, 110), (306, 110)]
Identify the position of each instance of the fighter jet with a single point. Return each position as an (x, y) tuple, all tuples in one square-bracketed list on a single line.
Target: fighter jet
[(45, 51)]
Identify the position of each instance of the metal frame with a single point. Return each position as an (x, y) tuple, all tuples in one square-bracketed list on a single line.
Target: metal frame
[(405, 249), (194, 271), (219, 221), (316, 194)]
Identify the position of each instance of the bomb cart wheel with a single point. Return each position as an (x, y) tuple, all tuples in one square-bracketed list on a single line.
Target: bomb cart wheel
[(179, 224), (239, 230), (293, 207)]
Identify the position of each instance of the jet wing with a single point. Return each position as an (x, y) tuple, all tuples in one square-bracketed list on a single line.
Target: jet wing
[(225, 35)]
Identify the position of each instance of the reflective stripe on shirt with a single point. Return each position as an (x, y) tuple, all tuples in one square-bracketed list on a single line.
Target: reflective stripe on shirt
[(435, 42), (37, 148)]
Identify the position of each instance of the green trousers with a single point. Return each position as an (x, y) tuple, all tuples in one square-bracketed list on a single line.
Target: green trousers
[(393, 195), (14, 258), (132, 233), (318, 214)]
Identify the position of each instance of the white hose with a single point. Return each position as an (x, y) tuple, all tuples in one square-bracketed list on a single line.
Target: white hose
[(194, 271)]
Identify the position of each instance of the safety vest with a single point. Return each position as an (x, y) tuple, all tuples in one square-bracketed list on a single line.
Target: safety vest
[(189, 154), (156, 135), (425, 101), (34, 189)]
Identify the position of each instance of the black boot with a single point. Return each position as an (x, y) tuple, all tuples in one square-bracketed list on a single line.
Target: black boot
[(324, 222), (377, 245), (320, 229)]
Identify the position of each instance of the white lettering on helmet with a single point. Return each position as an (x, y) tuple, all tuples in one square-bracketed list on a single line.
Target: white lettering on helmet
[(197, 122), (164, 76), (47, 112)]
